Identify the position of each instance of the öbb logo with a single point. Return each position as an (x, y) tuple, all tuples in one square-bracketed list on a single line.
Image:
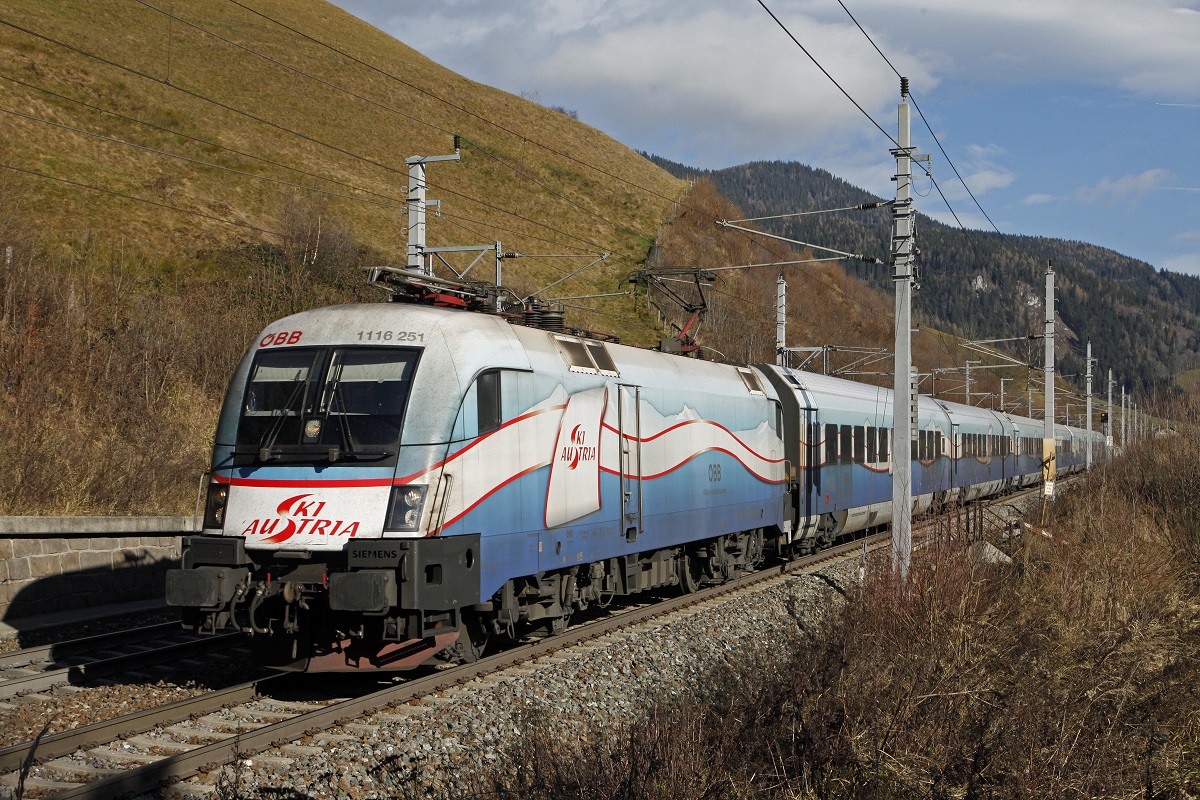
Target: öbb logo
[(301, 516), (577, 449)]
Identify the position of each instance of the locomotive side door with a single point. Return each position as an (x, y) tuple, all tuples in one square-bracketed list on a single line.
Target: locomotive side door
[(629, 455)]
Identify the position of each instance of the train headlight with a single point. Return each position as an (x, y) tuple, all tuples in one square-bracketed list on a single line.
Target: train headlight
[(214, 507), (404, 509)]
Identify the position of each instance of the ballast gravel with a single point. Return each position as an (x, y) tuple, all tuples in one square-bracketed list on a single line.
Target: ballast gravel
[(583, 694)]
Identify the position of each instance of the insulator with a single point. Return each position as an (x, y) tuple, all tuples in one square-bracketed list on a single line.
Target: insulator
[(552, 320)]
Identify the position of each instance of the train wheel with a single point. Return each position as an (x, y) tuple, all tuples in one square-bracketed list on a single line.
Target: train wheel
[(690, 568), (474, 637)]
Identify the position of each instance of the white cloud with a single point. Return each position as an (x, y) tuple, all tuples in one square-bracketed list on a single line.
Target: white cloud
[(1148, 48), (1187, 237), (1110, 191), (1187, 263), (1039, 199)]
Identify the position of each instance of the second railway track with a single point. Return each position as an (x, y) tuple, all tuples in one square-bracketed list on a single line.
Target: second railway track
[(39, 668)]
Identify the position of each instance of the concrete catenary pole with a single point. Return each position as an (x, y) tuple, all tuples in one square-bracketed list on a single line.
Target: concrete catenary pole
[(1108, 433), (780, 322), (1089, 404), (1122, 416), (904, 392), (1048, 454)]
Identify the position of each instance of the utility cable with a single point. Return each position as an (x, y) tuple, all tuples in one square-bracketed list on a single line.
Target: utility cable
[(197, 139), (464, 110), (928, 127), (825, 72), (141, 200), (194, 160), (481, 148)]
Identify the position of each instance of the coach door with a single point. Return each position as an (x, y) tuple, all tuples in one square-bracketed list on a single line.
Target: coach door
[(629, 452)]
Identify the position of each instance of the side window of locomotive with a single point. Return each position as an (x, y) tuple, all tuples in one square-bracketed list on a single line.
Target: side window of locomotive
[(859, 444), (490, 414), (831, 444), (846, 447), (872, 451), (482, 407), (885, 440)]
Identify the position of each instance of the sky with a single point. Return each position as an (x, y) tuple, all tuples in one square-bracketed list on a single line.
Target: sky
[(1075, 119)]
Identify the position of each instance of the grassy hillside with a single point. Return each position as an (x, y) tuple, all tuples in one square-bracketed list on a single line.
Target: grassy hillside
[(170, 185), (222, 85)]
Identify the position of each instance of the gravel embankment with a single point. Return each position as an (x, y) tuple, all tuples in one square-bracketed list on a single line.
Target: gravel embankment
[(583, 694)]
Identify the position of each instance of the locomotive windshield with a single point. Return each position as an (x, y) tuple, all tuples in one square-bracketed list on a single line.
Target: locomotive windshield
[(323, 404)]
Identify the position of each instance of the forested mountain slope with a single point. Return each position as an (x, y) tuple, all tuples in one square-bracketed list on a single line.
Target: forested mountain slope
[(1143, 322)]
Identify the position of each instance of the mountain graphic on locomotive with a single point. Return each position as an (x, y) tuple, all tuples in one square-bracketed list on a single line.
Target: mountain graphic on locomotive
[(392, 484)]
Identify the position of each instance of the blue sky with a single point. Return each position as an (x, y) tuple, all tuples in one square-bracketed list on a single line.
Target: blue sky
[(1077, 119)]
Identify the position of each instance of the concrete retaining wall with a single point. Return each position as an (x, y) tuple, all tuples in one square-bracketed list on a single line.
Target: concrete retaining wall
[(52, 564)]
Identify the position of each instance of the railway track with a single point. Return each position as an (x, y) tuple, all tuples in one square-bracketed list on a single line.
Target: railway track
[(143, 752), (139, 753), (36, 669)]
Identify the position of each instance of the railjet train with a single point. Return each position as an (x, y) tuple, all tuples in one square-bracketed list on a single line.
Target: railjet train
[(394, 483)]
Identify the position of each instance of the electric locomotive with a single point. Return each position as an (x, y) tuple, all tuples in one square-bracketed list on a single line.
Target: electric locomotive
[(394, 483)]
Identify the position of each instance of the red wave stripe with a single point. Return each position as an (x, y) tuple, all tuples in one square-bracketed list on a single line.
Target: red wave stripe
[(694, 422), (692, 457), (489, 434), (488, 494)]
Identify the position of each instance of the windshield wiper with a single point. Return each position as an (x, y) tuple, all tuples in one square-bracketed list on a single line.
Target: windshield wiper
[(344, 429), (267, 443)]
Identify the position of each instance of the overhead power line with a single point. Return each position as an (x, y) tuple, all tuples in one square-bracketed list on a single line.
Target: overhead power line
[(928, 127), (825, 72), (102, 190), (197, 139), (197, 161)]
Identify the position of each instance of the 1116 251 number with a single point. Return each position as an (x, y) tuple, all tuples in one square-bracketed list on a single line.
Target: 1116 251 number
[(391, 336)]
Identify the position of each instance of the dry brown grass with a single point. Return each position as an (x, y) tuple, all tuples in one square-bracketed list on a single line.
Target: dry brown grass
[(508, 186), (1071, 673), (115, 365)]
